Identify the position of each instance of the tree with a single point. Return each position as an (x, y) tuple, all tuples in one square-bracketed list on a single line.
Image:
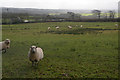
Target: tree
[(97, 13), (111, 14), (72, 15), (106, 15)]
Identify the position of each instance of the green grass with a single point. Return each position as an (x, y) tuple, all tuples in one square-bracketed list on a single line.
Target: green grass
[(86, 14), (102, 14), (93, 54)]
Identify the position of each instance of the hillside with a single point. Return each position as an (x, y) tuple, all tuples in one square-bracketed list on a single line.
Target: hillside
[(45, 11)]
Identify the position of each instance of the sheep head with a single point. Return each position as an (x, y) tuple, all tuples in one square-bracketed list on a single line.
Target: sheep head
[(33, 49), (7, 41)]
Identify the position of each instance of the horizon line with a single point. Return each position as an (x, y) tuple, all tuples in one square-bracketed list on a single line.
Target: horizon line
[(58, 8)]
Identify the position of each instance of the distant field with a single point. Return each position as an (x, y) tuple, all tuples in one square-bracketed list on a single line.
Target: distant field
[(87, 52), (86, 14), (102, 14)]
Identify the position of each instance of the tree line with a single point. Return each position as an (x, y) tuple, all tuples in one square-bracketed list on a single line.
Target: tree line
[(13, 18)]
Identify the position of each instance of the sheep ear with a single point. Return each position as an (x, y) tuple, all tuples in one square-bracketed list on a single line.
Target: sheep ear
[(36, 46)]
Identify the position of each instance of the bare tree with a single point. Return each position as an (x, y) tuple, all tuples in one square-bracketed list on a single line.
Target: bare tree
[(111, 14), (97, 13), (72, 15)]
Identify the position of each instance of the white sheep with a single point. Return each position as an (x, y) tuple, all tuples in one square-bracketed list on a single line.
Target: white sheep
[(48, 28), (70, 27), (35, 54), (5, 45), (116, 25), (57, 27), (81, 25)]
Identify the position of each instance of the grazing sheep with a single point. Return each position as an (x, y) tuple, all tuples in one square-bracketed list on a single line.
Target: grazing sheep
[(35, 54), (4, 45), (48, 28), (76, 25), (81, 25), (116, 25), (70, 27), (57, 27)]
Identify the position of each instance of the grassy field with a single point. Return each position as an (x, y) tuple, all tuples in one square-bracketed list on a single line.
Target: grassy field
[(69, 53)]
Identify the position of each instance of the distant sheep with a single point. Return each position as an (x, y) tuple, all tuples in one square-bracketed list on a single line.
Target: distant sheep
[(35, 54), (116, 25), (70, 27), (48, 28), (57, 27), (4, 45), (81, 25)]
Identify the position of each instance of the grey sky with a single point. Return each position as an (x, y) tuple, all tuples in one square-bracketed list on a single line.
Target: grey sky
[(61, 4)]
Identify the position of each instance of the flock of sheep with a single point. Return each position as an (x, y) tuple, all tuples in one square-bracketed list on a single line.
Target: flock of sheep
[(70, 27), (35, 54)]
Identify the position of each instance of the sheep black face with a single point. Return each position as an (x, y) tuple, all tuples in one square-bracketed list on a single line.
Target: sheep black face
[(33, 49), (7, 41)]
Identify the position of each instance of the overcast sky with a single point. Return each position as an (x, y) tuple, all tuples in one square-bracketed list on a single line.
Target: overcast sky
[(61, 4)]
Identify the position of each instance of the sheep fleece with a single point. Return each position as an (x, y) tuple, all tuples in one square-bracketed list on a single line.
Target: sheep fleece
[(37, 55), (3, 46)]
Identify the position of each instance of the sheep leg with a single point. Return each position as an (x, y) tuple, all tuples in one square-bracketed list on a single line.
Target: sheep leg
[(32, 63), (37, 63), (4, 50)]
